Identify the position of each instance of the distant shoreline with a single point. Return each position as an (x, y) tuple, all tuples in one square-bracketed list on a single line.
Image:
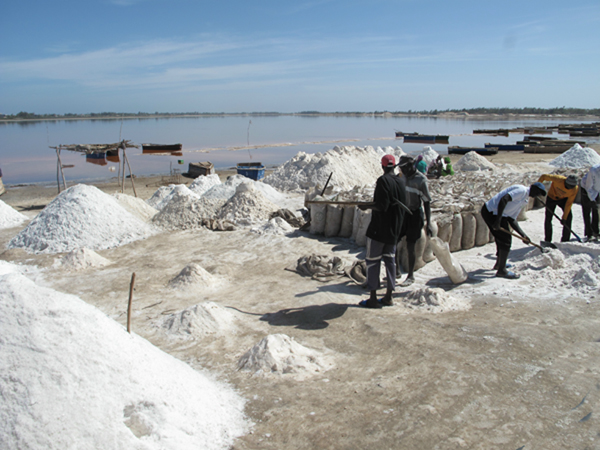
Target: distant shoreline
[(383, 115)]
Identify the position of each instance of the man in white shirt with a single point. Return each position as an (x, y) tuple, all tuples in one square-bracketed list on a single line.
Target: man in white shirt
[(590, 186)]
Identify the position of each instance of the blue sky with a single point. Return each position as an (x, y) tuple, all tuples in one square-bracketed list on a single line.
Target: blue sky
[(61, 56)]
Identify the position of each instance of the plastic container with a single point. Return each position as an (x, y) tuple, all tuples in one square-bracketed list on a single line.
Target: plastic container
[(254, 171)]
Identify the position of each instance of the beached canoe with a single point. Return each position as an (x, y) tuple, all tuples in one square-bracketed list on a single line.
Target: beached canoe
[(161, 148), (425, 138), (505, 147), (456, 150)]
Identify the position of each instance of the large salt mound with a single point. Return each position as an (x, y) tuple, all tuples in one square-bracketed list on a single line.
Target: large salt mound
[(164, 194), (577, 157), (473, 161), (81, 216), (136, 206), (199, 320), (82, 258), (247, 207), (203, 183), (185, 210), (10, 217), (278, 353), (71, 377), (348, 167), (429, 154)]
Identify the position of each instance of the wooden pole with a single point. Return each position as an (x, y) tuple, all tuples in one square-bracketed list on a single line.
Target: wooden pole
[(130, 174), (62, 171), (130, 301), (57, 178)]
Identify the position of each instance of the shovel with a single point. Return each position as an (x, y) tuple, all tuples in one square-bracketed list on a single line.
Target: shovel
[(542, 249), (554, 214)]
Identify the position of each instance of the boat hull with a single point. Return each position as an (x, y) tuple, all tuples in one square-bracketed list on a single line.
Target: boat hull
[(479, 150)]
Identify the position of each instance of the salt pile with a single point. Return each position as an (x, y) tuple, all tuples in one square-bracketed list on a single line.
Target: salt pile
[(473, 161), (247, 207), (185, 210), (71, 377), (429, 154), (81, 216), (348, 167), (275, 226), (435, 301), (199, 320), (136, 206), (164, 194), (280, 354), (194, 275), (205, 182), (82, 258), (577, 157), (10, 217)]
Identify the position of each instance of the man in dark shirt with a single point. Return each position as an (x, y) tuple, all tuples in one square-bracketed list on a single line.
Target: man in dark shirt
[(383, 232)]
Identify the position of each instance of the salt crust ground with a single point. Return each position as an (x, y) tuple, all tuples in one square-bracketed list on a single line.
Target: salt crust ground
[(460, 379)]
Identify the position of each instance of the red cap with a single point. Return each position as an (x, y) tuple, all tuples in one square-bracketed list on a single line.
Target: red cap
[(388, 161)]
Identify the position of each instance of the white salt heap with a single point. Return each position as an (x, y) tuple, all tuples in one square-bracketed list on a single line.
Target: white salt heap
[(429, 154), (10, 217), (278, 353), (82, 258), (348, 167), (185, 210), (473, 161), (435, 301), (275, 226), (577, 157), (247, 207), (70, 377), (205, 182), (164, 194), (81, 216), (136, 206), (195, 276), (199, 320)]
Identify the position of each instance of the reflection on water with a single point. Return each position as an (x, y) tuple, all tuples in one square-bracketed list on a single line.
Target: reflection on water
[(25, 156), (96, 158)]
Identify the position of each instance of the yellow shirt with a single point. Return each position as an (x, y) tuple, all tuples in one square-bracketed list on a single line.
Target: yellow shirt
[(558, 191)]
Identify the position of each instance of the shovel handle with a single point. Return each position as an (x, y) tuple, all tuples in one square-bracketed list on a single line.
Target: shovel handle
[(554, 214), (522, 238)]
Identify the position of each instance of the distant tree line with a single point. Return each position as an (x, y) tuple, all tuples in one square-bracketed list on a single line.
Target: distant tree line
[(116, 115)]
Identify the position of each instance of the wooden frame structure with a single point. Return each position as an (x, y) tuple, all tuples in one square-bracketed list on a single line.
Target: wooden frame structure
[(89, 149)]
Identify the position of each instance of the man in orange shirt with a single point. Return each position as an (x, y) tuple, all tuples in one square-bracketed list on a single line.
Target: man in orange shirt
[(562, 193)]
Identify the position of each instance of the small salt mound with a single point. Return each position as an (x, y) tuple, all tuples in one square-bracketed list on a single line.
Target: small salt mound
[(10, 217), (473, 161), (81, 216), (186, 211), (203, 183), (435, 301), (194, 275), (276, 226), (199, 320), (348, 167), (278, 353), (163, 195), (553, 259), (247, 207), (73, 378), (82, 258), (429, 154), (577, 157), (136, 206)]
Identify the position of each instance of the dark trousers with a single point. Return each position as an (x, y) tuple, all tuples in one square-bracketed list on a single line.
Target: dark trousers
[(377, 251), (590, 214), (551, 205), (503, 239)]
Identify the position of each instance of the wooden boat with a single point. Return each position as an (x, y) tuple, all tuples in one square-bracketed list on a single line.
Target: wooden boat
[(161, 148), (498, 132), (505, 147), (196, 170), (456, 150), (96, 158), (427, 138)]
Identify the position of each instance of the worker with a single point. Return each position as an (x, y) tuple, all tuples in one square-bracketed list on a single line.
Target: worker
[(501, 211), (383, 233), (418, 201), (562, 193), (421, 165), (435, 168), (447, 170), (590, 200)]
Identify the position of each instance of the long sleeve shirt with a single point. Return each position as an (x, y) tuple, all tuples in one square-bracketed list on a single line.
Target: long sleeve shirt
[(558, 191), (591, 182)]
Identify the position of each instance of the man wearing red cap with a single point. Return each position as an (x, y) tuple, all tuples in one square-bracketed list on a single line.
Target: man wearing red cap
[(383, 233)]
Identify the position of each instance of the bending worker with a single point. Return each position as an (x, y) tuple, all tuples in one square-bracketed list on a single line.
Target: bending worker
[(384, 232), (590, 200), (562, 193), (501, 211)]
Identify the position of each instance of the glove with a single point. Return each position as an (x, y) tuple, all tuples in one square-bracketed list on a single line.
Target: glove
[(526, 240)]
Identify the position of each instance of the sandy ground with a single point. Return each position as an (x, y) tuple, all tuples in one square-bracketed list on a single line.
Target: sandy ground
[(519, 370)]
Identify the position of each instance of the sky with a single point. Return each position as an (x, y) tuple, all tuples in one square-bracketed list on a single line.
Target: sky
[(67, 56)]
